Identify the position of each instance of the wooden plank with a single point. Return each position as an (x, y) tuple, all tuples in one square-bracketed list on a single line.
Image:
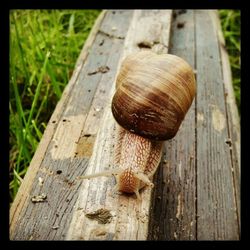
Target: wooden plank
[(173, 215), (129, 216), (216, 206), (232, 112), (115, 30), (56, 161)]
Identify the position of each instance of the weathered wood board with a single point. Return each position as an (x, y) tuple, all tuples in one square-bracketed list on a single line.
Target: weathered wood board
[(130, 216), (174, 205), (216, 200), (197, 185), (56, 160), (198, 190)]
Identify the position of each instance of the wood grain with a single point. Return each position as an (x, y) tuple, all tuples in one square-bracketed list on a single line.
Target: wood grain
[(216, 205), (197, 185), (233, 120), (129, 215), (55, 160), (173, 215), (22, 197)]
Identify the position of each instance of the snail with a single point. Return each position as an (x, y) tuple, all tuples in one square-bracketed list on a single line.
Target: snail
[(153, 94)]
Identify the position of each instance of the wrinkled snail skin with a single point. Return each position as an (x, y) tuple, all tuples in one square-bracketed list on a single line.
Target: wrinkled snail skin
[(153, 94), (138, 159)]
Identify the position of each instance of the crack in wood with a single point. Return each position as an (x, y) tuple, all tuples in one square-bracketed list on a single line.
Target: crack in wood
[(101, 69), (111, 35)]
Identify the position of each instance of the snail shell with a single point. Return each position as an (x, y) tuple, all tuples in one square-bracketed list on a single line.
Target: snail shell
[(154, 93)]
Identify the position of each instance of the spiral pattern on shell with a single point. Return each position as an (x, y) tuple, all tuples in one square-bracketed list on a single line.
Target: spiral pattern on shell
[(153, 94)]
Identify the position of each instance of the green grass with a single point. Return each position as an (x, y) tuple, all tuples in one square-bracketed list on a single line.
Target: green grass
[(231, 22), (44, 46)]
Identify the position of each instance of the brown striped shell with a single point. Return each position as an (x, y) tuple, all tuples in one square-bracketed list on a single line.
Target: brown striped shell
[(154, 93)]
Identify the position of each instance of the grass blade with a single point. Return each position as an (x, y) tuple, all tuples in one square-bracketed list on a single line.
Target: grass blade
[(37, 93)]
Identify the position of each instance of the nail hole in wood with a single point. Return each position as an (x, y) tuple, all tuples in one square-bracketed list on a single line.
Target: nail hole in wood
[(87, 135), (144, 45), (59, 171), (101, 43), (229, 142), (180, 25)]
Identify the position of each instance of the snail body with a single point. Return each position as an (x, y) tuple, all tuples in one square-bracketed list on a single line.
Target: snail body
[(153, 95), (137, 159)]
